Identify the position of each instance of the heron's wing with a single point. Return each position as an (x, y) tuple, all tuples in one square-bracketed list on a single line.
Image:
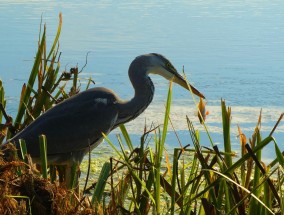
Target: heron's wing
[(73, 124)]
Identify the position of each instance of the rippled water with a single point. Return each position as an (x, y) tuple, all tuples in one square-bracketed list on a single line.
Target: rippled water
[(230, 49)]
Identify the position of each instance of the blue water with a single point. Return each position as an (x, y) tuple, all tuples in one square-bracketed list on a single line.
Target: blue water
[(230, 49)]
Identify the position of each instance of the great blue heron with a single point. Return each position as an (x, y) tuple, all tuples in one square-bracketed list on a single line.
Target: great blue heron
[(77, 122)]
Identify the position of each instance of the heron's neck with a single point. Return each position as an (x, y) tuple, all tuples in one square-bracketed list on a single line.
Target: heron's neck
[(144, 92)]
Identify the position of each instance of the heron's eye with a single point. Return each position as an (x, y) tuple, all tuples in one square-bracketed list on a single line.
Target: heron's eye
[(169, 65)]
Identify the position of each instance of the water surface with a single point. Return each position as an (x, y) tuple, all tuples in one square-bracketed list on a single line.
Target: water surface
[(230, 49)]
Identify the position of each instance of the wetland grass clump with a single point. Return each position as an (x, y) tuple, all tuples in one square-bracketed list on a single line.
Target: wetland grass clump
[(24, 189), (142, 178), (197, 180)]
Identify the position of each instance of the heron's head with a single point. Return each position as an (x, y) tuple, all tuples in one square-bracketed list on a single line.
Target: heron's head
[(160, 65)]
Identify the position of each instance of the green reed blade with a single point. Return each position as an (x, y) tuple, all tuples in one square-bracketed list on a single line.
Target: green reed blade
[(23, 149), (113, 146), (122, 149), (226, 119), (174, 178), (141, 164), (126, 137), (254, 205), (166, 118), (160, 148), (43, 155), (279, 154), (31, 82), (280, 179), (149, 182), (100, 186), (56, 37), (267, 194), (89, 82)]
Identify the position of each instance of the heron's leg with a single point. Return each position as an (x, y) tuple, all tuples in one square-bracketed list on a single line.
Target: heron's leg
[(52, 170), (72, 174), (76, 177), (68, 176), (61, 173)]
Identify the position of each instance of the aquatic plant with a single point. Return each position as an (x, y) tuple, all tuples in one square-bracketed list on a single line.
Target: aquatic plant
[(197, 180)]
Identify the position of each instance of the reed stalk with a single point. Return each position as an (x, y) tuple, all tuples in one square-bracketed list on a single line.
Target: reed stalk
[(43, 155)]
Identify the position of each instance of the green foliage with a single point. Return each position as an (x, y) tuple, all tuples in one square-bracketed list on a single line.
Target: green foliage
[(23, 149), (44, 89), (99, 189), (201, 181), (43, 155)]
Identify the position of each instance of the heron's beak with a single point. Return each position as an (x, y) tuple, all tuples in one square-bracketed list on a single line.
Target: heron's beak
[(182, 82)]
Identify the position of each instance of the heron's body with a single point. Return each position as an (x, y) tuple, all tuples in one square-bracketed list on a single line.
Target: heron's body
[(73, 125), (78, 122)]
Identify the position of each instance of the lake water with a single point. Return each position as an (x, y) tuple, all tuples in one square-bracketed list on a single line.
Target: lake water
[(230, 49)]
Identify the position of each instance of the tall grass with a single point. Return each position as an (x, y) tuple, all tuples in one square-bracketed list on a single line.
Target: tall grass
[(201, 180), (46, 87)]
